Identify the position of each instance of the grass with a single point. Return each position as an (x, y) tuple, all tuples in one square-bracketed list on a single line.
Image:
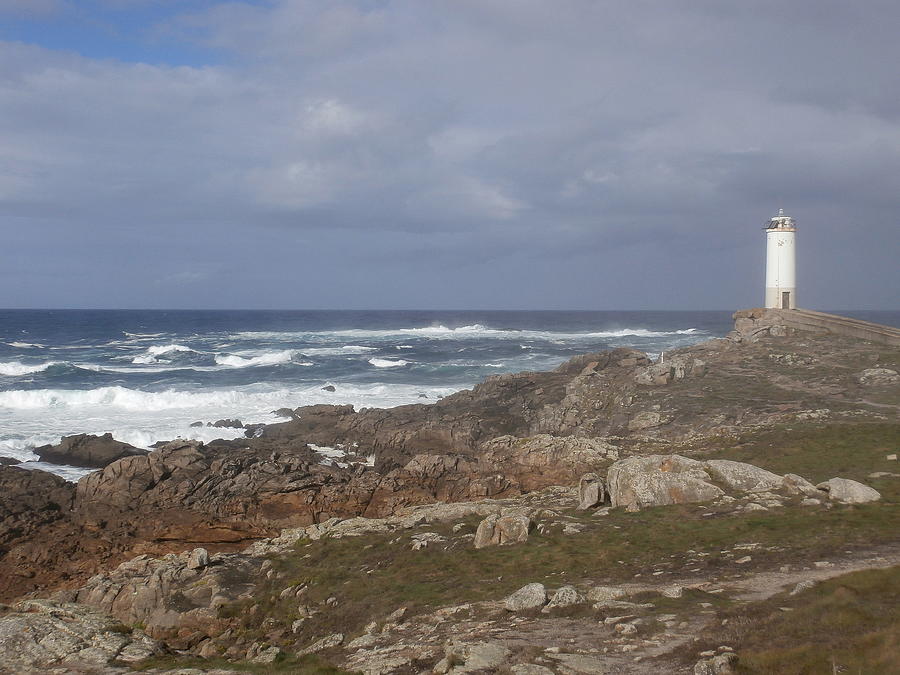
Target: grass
[(371, 576), (822, 451), (848, 624)]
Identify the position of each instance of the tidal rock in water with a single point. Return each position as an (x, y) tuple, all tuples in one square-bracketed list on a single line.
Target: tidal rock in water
[(87, 450), (227, 424)]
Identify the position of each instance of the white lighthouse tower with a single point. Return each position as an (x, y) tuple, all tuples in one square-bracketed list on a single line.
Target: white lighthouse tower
[(781, 284)]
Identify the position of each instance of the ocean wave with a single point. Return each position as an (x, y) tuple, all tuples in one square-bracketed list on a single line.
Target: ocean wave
[(338, 351), (264, 359), (225, 402), (25, 345), (388, 363), (472, 331), (17, 368), (117, 397), (153, 353)]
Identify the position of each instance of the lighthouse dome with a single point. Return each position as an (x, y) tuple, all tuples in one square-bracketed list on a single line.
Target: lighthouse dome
[(781, 222)]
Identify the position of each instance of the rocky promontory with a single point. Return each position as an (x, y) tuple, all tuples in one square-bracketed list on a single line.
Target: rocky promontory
[(310, 535)]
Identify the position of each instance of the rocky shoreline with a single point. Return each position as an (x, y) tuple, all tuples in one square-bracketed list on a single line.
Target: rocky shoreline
[(171, 542)]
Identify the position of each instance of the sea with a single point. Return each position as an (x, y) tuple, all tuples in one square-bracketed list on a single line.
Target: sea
[(149, 375)]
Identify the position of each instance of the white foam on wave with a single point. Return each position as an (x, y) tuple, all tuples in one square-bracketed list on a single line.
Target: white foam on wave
[(153, 353), (113, 397), (17, 368), (264, 359), (472, 331), (388, 363), (32, 418), (25, 345), (229, 402), (338, 351), (161, 366)]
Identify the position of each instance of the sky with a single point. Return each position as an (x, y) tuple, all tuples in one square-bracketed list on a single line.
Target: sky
[(438, 154)]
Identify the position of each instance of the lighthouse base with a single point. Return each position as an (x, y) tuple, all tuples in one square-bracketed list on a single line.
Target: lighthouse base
[(781, 298)]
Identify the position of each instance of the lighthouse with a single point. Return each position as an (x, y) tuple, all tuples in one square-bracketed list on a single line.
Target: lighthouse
[(781, 285)]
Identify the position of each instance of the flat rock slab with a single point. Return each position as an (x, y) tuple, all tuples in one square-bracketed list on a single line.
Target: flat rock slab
[(41, 634)]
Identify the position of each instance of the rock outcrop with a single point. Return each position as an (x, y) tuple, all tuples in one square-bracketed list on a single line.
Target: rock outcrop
[(87, 450), (518, 405), (658, 480), (171, 594), (40, 634), (34, 506), (30, 500)]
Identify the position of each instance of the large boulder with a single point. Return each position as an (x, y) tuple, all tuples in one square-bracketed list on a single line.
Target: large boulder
[(40, 634), (849, 491), (502, 529), (480, 657), (565, 596), (742, 477), (658, 480), (795, 484), (720, 664), (87, 450), (530, 596), (591, 491)]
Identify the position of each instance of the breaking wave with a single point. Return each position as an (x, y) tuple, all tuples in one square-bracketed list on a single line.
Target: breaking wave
[(17, 368), (388, 363), (473, 331), (338, 351), (153, 353), (264, 359)]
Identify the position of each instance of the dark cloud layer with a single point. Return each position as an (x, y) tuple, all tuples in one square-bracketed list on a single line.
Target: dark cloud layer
[(477, 153)]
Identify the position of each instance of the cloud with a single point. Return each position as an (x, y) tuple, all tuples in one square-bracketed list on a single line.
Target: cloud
[(475, 133)]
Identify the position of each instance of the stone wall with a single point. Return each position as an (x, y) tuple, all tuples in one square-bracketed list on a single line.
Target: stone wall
[(749, 324)]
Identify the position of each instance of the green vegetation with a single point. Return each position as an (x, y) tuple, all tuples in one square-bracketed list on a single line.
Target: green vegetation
[(365, 578), (848, 624), (822, 451), (371, 576)]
